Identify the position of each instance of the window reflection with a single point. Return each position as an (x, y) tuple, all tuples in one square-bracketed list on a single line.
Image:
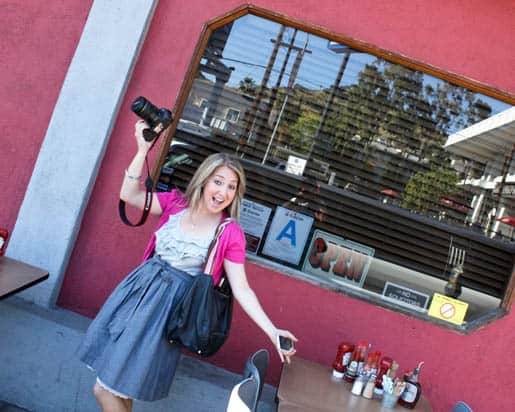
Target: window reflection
[(374, 151)]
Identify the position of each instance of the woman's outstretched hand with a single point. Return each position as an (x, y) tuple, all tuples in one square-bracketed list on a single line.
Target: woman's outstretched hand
[(284, 355)]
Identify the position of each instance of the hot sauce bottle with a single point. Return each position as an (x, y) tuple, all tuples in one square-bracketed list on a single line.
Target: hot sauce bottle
[(377, 358), (345, 350), (369, 364), (358, 357)]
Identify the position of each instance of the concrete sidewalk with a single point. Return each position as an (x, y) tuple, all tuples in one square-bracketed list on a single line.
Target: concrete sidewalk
[(39, 371)]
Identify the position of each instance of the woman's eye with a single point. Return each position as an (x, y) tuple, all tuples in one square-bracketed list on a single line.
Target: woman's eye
[(232, 187), (217, 182)]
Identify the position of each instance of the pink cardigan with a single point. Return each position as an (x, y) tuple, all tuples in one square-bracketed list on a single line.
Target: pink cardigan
[(232, 240)]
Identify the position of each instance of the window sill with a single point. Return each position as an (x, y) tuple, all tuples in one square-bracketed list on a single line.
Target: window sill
[(377, 299)]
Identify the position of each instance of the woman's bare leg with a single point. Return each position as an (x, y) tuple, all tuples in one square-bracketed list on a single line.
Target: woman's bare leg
[(110, 402), (128, 403)]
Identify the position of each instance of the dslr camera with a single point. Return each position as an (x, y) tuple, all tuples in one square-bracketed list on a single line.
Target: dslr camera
[(157, 119)]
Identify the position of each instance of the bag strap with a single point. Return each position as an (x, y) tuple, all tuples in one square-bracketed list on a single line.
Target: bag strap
[(211, 252)]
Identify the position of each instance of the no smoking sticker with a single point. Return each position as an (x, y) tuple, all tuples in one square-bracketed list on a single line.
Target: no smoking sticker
[(448, 309)]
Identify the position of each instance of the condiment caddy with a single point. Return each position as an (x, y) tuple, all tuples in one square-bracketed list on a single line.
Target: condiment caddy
[(373, 376)]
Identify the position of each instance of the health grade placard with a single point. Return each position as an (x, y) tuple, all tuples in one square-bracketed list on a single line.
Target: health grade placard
[(287, 235), (448, 309)]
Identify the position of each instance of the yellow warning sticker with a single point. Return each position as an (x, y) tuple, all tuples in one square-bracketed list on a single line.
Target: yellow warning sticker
[(449, 309)]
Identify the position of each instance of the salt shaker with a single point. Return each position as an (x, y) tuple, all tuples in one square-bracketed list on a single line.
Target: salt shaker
[(359, 384)]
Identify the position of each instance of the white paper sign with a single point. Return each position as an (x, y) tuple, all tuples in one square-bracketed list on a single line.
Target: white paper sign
[(253, 220), (287, 236), (295, 165)]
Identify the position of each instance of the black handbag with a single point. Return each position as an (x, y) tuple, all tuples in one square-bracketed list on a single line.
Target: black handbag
[(201, 320)]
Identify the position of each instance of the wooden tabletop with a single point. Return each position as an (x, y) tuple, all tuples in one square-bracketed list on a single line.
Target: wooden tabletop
[(16, 276), (308, 386)]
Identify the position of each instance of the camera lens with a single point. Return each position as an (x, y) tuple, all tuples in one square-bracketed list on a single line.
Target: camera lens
[(146, 110), (157, 119)]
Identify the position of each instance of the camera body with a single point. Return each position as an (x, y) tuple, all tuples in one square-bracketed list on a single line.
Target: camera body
[(285, 344), (157, 119)]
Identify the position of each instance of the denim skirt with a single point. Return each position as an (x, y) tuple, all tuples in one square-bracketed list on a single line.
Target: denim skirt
[(126, 343)]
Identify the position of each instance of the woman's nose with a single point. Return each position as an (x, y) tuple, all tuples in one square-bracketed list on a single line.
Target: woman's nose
[(222, 190)]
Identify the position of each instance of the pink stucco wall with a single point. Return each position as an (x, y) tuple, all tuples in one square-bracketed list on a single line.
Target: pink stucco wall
[(37, 46), (469, 37)]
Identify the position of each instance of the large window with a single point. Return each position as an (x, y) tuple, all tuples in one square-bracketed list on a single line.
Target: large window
[(365, 171)]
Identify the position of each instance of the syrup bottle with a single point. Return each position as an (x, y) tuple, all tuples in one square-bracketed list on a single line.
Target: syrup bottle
[(453, 286), (411, 394)]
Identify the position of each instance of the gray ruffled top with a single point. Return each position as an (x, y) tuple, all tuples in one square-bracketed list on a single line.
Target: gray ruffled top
[(182, 251)]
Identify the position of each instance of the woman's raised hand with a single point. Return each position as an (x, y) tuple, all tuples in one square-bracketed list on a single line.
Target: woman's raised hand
[(143, 145)]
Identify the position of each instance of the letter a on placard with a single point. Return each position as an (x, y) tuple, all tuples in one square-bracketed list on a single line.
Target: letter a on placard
[(289, 232)]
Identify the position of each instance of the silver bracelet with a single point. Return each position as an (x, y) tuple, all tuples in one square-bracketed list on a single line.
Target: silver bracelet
[(132, 177)]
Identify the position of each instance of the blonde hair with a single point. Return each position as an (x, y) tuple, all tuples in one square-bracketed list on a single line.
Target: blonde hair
[(206, 170)]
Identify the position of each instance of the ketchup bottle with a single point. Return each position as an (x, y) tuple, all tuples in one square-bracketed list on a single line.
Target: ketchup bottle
[(342, 359), (4, 234), (384, 365)]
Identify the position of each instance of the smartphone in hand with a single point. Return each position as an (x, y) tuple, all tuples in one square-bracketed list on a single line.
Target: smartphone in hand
[(285, 344)]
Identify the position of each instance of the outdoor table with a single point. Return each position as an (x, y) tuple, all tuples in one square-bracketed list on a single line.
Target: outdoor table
[(308, 386), (16, 276)]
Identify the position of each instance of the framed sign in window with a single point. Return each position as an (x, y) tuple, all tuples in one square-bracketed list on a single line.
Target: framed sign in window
[(406, 296), (338, 258)]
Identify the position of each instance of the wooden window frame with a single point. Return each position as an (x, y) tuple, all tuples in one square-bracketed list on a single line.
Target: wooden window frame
[(241, 11)]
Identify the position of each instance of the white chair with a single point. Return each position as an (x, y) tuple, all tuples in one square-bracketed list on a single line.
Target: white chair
[(243, 395), (256, 367)]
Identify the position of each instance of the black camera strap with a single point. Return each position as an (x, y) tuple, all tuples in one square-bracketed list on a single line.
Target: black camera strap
[(149, 184)]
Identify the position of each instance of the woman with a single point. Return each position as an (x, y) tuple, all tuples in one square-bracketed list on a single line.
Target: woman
[(125, 344)]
